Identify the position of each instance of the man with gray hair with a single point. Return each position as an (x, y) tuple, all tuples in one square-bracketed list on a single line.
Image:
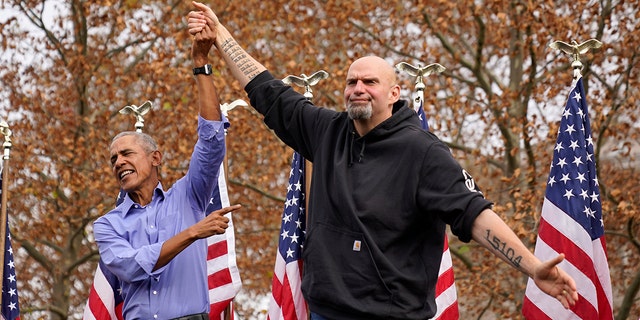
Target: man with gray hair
[(155, 240)]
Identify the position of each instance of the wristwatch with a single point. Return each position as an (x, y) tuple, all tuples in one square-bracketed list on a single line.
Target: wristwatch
[(206, 70)]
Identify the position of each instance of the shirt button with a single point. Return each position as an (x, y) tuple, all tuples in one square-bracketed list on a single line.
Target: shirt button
[(151, 227), (155, 292), (155, 316)]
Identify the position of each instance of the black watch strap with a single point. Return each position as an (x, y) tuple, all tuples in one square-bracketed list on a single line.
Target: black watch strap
[(206, 69)]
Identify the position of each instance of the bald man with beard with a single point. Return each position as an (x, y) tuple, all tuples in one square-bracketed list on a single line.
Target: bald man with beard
[(382, 192)]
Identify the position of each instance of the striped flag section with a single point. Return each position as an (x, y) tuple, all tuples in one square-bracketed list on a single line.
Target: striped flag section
[(286, 301), (105, 300), (223, 274), (446, 294), (571, 222)]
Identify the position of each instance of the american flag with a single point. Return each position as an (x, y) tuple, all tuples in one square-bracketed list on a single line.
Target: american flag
[(571, 222), (10, 307), (286, 301), (105, 301), (222, 270), (421, 115), (446, 293)]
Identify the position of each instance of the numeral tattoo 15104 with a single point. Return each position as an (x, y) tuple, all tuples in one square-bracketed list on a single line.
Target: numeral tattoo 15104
[(501, 247)]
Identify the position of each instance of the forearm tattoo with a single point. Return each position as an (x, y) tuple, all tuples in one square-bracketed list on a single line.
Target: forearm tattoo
[(501, 247), (240, 58)]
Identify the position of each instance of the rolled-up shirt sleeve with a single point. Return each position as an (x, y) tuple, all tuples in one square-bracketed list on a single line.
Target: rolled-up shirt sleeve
[(127, 263)]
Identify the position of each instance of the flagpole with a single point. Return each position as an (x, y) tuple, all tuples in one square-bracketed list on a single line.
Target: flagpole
[(225, 163), (307, 82), (224, 108), (4, 127)]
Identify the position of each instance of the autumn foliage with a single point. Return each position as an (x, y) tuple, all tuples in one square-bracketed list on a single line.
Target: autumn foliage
[(69, 67)]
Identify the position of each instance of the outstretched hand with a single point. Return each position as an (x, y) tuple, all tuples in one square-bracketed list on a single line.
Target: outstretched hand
[(555, 282), (214, 223)]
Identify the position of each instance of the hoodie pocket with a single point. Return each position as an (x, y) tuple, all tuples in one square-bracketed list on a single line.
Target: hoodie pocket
[(340, 271)]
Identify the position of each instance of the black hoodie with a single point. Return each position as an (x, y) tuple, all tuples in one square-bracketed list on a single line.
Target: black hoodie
[(378, 206)]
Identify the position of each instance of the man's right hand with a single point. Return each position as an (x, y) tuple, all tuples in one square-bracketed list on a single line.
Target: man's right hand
[(202, 27), (215, 223), (197, 20)]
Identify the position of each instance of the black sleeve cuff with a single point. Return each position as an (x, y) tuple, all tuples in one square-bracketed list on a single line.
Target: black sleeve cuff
[(263, 77)]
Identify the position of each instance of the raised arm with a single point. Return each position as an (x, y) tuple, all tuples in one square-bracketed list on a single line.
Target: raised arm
[(208, 102), (243, 67), (490, 231), (209, 105)]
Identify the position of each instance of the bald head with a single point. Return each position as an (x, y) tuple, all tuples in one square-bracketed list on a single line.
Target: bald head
[(375, 66)]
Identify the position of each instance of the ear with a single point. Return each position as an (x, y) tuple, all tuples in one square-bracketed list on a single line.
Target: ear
[(394, 94), (156, 158)]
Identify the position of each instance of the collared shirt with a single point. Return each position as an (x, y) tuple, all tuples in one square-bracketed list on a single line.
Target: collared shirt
[(130, 237)]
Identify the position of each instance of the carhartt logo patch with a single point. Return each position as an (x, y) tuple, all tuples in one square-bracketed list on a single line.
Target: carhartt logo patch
[(356, 245)]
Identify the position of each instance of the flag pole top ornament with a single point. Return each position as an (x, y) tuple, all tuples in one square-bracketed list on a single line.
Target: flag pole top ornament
[(6, 132), (138, 112), (420, 72), (306, 81), (575, 50)]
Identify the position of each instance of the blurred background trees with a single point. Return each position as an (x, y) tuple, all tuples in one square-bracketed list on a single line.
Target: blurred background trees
[(69, 66)]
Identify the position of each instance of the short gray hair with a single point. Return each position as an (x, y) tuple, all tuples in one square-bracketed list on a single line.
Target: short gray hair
[(148, 142)]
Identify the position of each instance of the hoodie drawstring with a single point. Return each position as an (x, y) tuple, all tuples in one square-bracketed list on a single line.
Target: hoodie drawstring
[(353, 137), (361, 152), (361, 155)]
